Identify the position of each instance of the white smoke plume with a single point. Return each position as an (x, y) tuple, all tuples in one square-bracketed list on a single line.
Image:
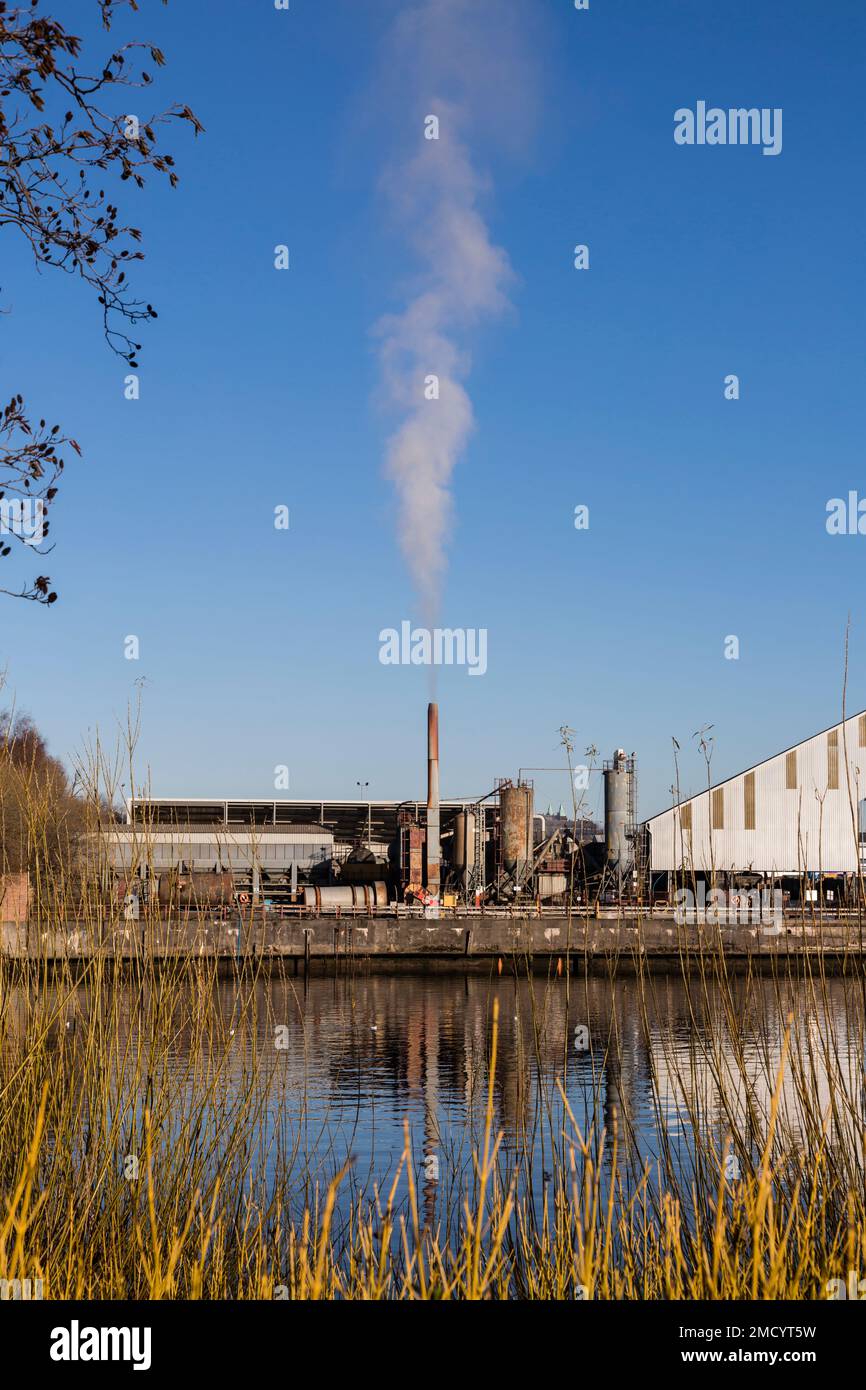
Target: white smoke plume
[(455, 52)]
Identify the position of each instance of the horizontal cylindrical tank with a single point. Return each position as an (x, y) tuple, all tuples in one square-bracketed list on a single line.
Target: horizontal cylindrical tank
[(196, 889), (364, 895), (515, 813), (464, 839)]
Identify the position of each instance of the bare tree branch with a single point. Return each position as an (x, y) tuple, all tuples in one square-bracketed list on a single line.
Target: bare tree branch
[(57, 144)]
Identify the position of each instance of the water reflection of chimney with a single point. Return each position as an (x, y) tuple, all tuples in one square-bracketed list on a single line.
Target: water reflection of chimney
[(432, 1172)]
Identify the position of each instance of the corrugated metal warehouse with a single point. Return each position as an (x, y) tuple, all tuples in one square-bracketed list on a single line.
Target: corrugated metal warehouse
[(794, 814), (220, 848)]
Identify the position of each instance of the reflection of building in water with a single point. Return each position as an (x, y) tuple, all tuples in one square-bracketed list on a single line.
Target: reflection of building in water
[(364, 1052), (624, 1072), (700, 1081), (513, 1091)]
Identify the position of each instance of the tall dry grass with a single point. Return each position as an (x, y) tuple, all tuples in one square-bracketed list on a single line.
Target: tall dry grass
[(218, 1204)]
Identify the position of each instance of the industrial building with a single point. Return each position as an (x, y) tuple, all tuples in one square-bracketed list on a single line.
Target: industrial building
[(335, 855), (789, 820), (322, 853), (790, 823)]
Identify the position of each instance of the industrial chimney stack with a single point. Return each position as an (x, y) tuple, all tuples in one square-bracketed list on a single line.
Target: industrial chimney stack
[(433, 800)]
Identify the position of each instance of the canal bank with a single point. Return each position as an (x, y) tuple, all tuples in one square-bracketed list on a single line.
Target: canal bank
[(458, 942)]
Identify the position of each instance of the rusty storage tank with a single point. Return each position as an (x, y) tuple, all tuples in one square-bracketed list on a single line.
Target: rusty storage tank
[(515, 828), (363, 895), (464, 840), (197, 889)]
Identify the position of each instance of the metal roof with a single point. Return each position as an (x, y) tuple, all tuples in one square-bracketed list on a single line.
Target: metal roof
[(348, 820), (840, 723)]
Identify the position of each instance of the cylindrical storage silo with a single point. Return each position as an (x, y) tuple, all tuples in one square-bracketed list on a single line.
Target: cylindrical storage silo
[(616, 808), (515, 816), (464, 840)]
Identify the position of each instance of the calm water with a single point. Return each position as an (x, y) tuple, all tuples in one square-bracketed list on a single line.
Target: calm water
[(337, 1066)]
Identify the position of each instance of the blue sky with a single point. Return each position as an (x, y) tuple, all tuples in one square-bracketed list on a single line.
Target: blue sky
[(605, 388)]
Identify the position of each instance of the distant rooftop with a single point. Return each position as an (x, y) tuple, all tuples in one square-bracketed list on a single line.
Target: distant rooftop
[(349, 820)]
